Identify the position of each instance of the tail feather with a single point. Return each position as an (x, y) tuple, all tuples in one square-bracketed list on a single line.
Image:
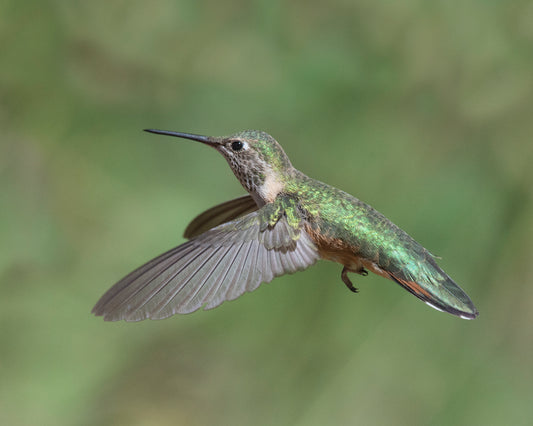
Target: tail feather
[(437, 290)]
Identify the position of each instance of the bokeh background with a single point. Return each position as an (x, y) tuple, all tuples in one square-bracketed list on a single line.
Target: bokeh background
[(422, 109)]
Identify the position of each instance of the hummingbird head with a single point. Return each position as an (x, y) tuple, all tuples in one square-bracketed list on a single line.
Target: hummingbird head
[(255, 157)]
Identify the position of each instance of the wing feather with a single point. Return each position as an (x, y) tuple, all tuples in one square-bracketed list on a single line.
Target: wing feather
[(149, 291), (187, 300), (220, 264), (219, 214), (217, 298), (219, 269)]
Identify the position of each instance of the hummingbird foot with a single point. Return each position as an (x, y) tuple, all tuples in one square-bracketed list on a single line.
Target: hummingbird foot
[(346, 280), (363, 272)]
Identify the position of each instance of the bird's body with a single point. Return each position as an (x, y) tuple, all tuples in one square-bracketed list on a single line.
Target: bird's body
[(287, 223)]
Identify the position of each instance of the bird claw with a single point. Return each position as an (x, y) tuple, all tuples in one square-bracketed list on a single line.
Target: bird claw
[(346, 280), (363, 272)]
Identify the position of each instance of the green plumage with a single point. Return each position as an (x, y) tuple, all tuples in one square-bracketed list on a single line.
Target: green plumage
[(286, 224), (372, 236)]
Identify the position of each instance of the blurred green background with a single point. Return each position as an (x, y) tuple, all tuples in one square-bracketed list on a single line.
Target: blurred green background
[(422, 109)]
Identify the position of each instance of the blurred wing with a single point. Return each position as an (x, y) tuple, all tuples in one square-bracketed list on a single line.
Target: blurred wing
[(220, 214), (220, 264)]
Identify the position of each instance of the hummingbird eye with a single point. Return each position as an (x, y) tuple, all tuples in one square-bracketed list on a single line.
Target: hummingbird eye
[(237, 145)]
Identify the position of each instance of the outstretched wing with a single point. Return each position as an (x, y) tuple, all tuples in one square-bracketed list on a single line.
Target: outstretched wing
[(219, 214), (220, 264)]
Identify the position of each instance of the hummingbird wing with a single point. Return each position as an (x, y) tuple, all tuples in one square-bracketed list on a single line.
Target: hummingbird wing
[(221, 213), (220, 264)]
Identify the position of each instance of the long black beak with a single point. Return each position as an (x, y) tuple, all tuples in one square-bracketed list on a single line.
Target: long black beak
[(204, 139)]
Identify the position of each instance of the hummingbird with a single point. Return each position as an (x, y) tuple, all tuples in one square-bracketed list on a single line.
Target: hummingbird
[(285, 223)]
